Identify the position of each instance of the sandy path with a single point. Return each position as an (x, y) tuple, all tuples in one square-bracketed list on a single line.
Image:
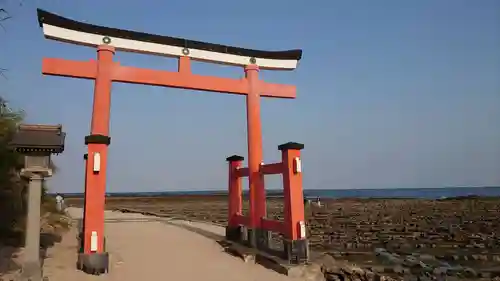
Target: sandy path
[(156, 250)]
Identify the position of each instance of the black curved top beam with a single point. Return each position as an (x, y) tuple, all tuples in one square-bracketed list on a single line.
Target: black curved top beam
[(63, 29)]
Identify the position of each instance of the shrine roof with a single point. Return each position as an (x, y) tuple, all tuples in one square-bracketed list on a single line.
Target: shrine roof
[(35, 137)]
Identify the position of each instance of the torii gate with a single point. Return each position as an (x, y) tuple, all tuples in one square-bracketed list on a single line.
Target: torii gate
[(93, 257)]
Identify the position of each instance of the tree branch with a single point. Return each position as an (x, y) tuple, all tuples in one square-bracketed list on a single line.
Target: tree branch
[(4, 15)]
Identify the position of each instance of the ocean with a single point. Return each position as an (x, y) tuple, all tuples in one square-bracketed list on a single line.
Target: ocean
[(423, 193)]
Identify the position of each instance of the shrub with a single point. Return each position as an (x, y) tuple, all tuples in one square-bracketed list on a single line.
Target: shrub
[(12, 187)]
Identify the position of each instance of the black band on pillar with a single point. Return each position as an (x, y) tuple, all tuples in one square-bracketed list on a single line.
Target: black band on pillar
[(85, 156), (100, 139)]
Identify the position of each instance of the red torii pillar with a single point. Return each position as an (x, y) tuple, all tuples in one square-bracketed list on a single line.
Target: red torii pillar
[(82, 223), (105, 71)]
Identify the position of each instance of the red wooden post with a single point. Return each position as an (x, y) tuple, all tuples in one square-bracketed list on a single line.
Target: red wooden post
[(235, 202), (82, 226), (256, 235), (97, 142), (295, 243)]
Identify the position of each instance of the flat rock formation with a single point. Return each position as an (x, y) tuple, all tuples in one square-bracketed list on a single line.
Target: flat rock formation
[(403, 239)]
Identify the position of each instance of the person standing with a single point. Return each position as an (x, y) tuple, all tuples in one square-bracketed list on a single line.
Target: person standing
[(59, 203)]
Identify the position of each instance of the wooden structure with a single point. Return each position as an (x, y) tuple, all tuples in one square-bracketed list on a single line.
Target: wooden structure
[(293, 228), (105, 71)]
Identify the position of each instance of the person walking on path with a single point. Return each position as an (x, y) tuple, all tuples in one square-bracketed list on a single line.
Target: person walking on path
[(60, 203)]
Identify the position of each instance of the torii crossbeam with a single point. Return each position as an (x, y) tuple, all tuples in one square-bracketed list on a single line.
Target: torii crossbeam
[(93, 257)]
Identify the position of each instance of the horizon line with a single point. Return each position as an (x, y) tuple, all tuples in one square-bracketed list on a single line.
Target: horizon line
[(313, 189)]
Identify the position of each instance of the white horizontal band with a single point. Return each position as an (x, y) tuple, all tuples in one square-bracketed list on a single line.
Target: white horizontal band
[(94, 40)]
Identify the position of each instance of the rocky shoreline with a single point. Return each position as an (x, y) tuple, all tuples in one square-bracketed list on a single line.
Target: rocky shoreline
[(402, 239)]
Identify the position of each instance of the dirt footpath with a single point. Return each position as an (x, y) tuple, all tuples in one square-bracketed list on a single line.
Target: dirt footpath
[(146, 248)]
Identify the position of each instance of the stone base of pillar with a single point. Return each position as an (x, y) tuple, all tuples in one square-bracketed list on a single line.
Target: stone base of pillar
[(31, 271), (258, 238), (93, 263), (234, 233), (251, 240), (263, 239), (296, 251)]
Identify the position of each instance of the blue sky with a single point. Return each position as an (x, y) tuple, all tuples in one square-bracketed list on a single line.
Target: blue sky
[(391, 94)]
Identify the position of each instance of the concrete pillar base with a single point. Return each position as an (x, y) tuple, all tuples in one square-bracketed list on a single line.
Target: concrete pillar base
[(263, 239), (296, 251), (234, 233), (31, 271), (251, 238), (259, 238), (93, 263)]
